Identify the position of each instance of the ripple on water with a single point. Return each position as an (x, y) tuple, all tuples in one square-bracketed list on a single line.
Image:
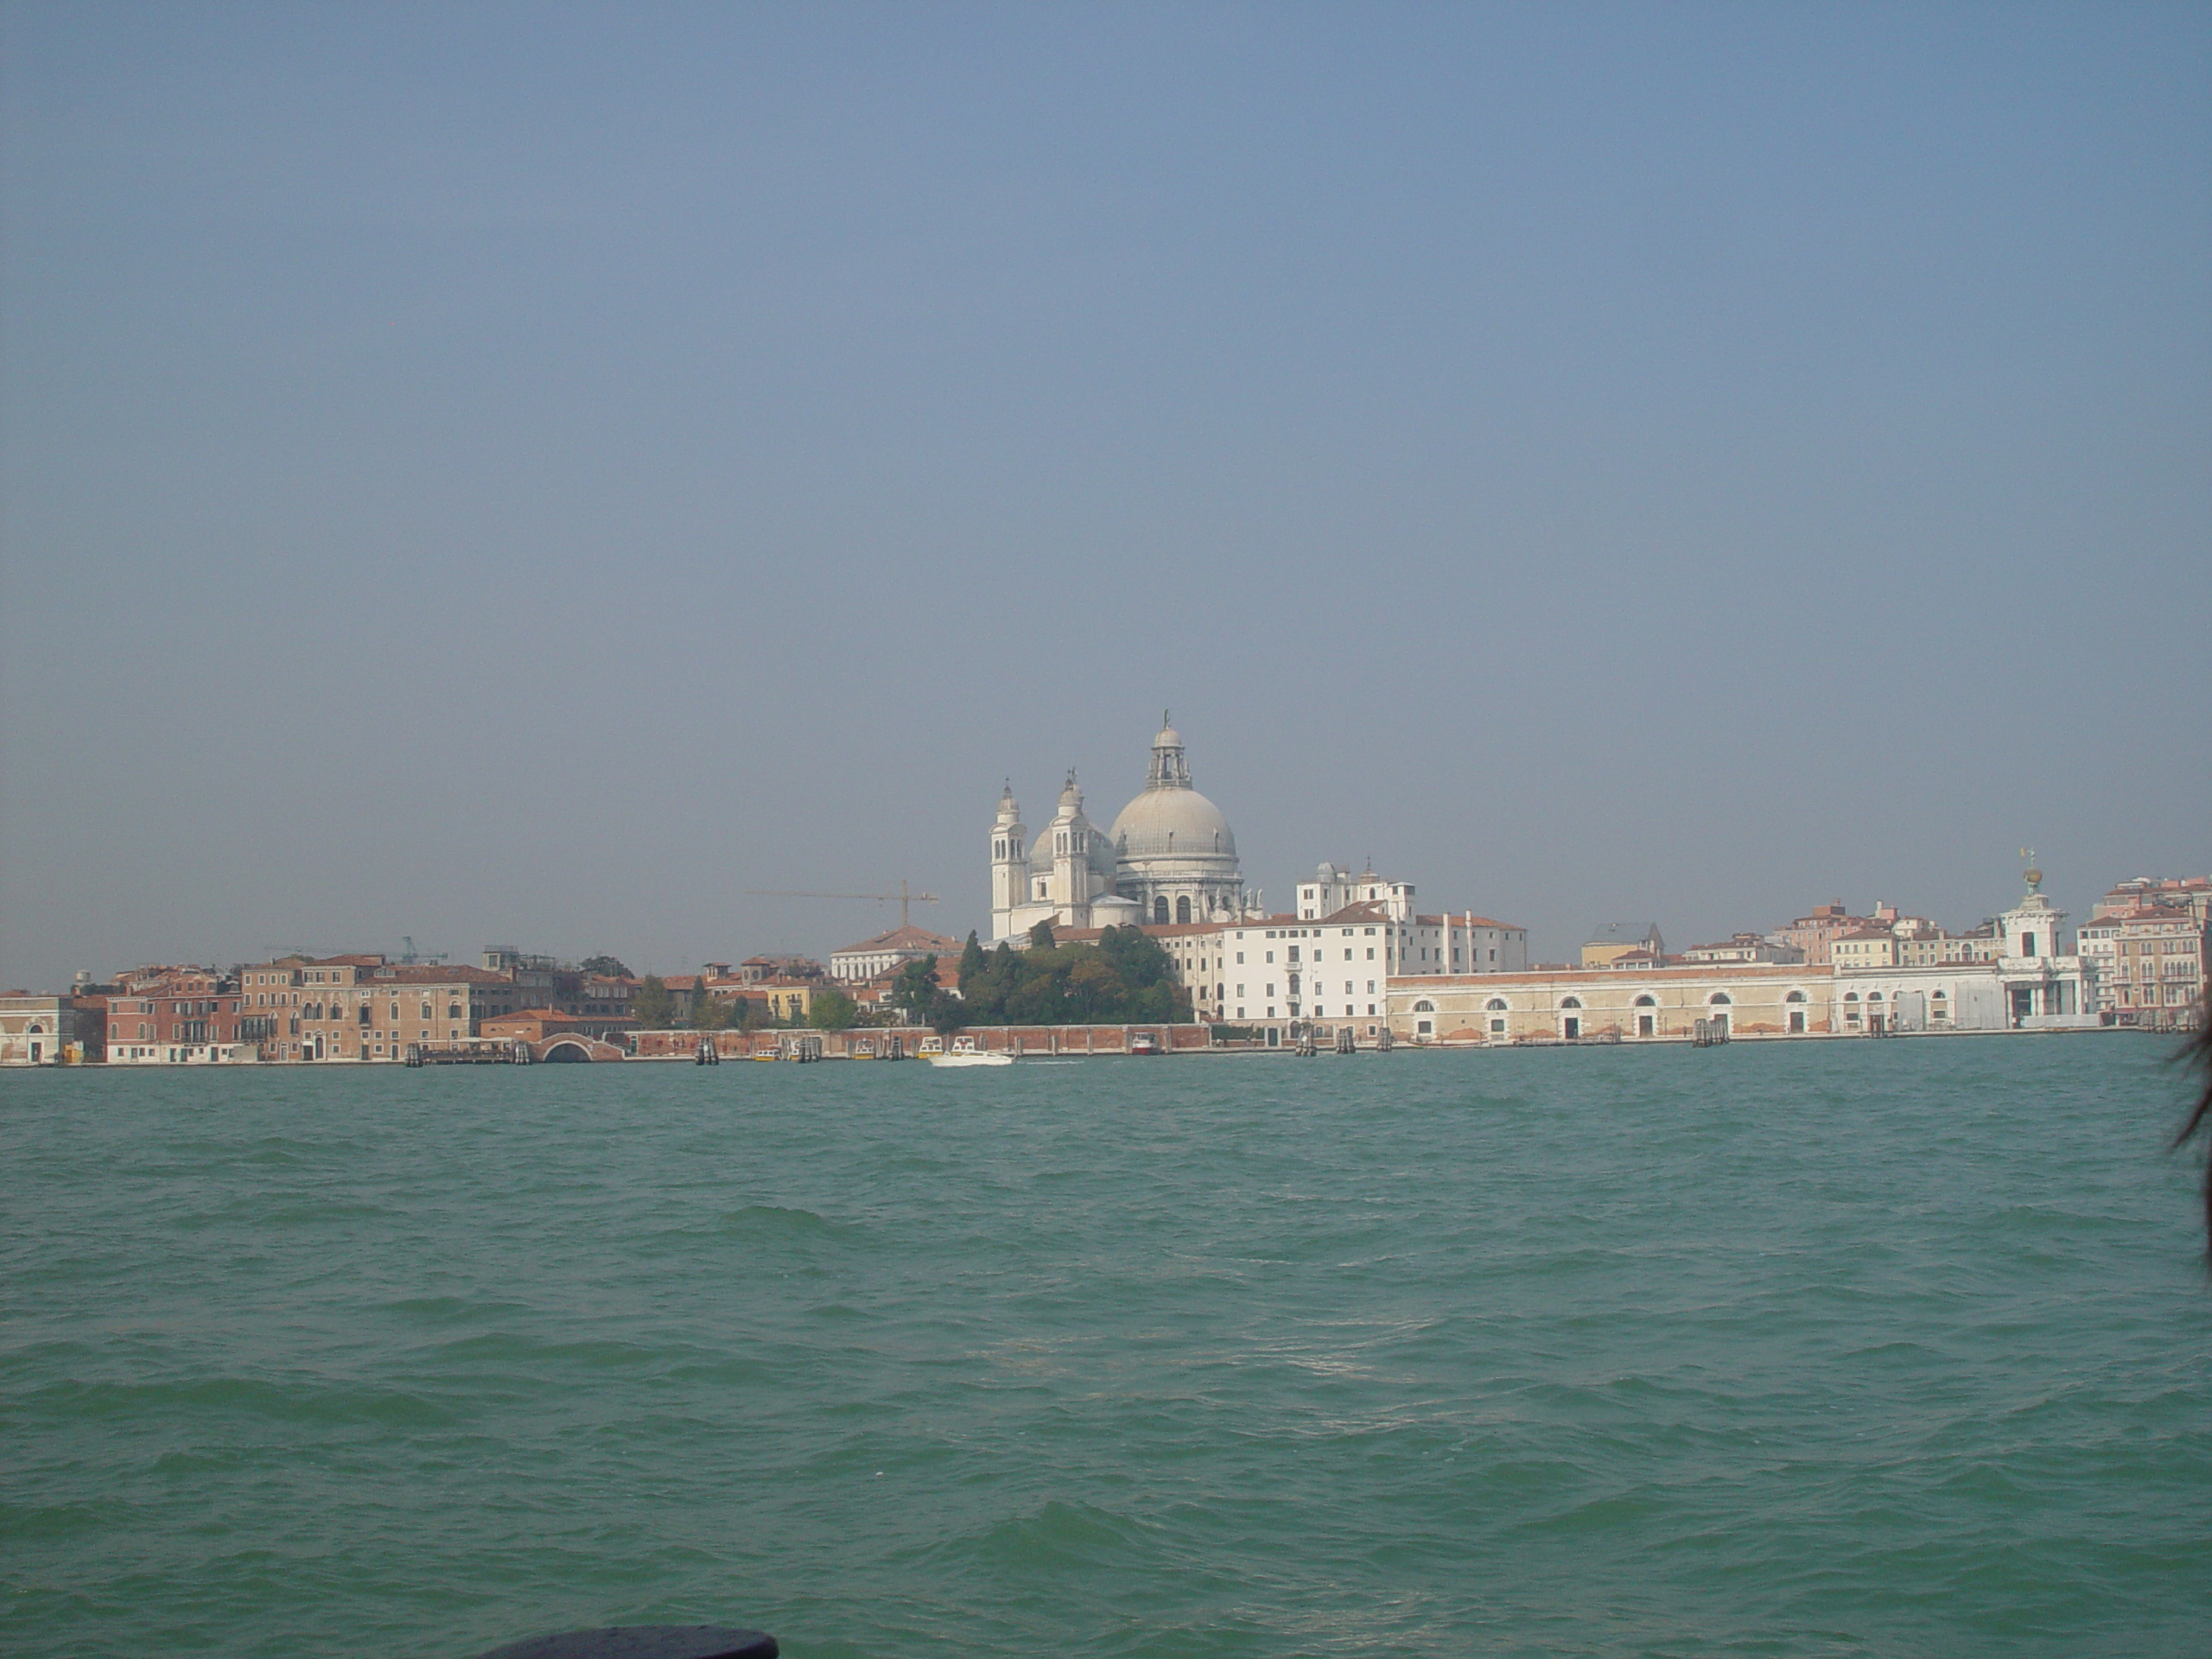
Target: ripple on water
[(1778, 1349)]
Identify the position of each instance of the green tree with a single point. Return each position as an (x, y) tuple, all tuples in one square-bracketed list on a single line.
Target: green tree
[(972, 961), (916, 988), (707, 1013), (1125, 978), (606, 967), (1040, 937), (984, 993), (830, 1009), (653, 1005)]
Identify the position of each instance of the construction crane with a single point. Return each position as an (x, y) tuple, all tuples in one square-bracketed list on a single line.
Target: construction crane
[(903, 896), (409, 953)]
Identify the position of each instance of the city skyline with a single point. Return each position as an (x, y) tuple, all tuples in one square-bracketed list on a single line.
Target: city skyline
[(1551, 939)]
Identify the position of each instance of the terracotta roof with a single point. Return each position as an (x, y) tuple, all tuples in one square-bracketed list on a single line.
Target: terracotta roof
[(902, 938), (416, 973), (1360, 910)]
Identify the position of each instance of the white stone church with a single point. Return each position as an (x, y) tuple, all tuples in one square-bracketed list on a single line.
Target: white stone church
[(1169, 858)]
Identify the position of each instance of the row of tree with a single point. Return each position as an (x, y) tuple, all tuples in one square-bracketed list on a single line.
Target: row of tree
[(1127, 978), (657, 1009)]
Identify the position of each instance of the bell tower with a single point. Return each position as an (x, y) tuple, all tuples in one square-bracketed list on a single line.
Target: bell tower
[(1009, 864), (1070, 832)]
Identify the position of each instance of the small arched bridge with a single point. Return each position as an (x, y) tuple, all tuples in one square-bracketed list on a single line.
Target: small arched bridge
[(571, 1049)]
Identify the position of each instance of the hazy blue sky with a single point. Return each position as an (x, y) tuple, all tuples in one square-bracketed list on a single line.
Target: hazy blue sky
[(533, 473)]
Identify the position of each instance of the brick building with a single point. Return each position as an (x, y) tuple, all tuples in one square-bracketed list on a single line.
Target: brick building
[(364, 1007), (2153, 962), (175, 1016)]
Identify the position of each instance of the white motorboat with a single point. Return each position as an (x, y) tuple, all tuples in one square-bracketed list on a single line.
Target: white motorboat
[(964, 1051)]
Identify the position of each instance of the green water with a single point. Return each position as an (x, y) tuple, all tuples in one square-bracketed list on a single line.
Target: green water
[(1868, 1348)]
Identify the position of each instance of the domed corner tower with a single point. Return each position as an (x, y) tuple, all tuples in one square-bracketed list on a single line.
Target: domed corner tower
[(2034, 927), (1177, 854)]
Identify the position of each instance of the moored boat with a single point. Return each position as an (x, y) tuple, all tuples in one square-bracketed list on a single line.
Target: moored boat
[(964, 1051)]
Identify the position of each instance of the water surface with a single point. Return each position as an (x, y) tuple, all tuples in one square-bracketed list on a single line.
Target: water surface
[(1839, 1348)]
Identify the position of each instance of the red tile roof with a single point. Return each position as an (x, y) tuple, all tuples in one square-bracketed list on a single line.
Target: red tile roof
[(902, 938)]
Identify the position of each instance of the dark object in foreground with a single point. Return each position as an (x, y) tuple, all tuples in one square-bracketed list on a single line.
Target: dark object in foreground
[(2199, 1054), (645, 1641)]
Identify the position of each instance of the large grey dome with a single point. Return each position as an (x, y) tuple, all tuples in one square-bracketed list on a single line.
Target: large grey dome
[(1177, 824)]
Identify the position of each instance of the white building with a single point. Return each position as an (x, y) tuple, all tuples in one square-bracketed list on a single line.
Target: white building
[(37, 1031), (1333, 889), (1170, 858), (1340, 966), (2033, 985), (900, 945), (1417, 944), (182, 1053), (1289, 968)]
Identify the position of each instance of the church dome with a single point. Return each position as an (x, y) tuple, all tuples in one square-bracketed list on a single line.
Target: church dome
[(1177, 824)]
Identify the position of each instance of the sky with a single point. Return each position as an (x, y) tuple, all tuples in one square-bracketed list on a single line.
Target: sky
[(536, 474)]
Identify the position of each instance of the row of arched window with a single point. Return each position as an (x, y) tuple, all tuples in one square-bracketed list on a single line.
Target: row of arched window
[(1718, 999)]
